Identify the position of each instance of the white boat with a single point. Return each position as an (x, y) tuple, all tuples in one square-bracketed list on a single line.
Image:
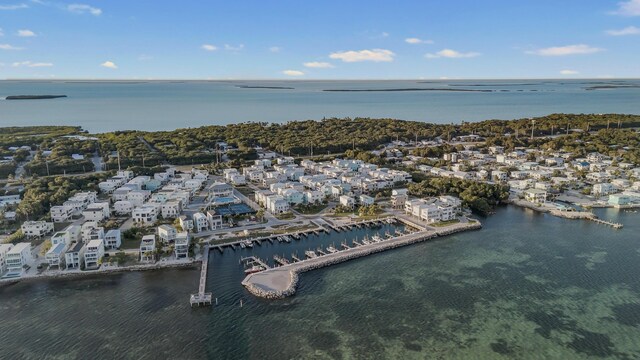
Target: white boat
[(248, 243), (331, 249), (311, 254)]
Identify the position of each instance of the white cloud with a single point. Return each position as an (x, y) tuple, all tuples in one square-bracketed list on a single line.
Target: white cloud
[(84, 9), (565, 50), (26, 33), (1, 32), (318, 65), (9, 47), (293, 73), (451, 54), (209, 47), (375, 55), (275, 49), (417, 41), (569, 72), (14, 7), (31, 64), (233, 48), (629, 30), (145, 57), (109, 64), (628, 8)]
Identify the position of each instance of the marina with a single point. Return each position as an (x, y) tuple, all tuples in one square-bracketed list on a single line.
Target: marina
[(280, 282)]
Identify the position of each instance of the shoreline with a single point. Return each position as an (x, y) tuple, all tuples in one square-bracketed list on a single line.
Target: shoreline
[(282, 282), (102, 271)]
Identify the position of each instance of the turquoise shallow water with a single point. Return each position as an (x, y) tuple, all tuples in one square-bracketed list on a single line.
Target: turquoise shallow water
[(526, 286), (166, 105)]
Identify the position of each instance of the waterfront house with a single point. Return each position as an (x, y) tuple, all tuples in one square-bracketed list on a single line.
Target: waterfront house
[(73, 257), (18, 258), (4, 249), (93, 254), (618, 200), (36, 228), (535, 196), (56, 254), (113, 239), (148, 248), (182, 242)]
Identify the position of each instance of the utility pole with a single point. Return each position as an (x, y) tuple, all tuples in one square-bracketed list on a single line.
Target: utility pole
[(551, 129), (567, 127), (118, 152), (47, 164), (607, 124)]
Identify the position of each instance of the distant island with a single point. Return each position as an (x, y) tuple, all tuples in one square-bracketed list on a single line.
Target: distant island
[(604, 87), (406, 89), (265, 87), (34, 97)]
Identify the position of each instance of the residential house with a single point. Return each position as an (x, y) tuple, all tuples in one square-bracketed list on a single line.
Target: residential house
[(167, 233), (74, 256), (145, 215), (96, 211), (113, 239), (181, 247), (36, 228), (535, 196), (148, 248), (200, 222), (18, 257)]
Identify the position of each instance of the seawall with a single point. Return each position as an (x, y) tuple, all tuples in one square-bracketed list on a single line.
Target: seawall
[(281, 282)]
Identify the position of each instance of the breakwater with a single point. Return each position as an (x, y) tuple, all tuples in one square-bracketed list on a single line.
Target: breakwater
[(281, 282)]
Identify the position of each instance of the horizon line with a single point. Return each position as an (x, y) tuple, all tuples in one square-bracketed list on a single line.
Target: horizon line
[(317, 79)]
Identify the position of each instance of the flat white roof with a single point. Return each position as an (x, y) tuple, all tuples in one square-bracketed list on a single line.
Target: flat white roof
[(19, 247)]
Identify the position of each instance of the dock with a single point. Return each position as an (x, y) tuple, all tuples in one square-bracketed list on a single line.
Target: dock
[(604, 222), (202, 297), (280, 260), (280, 282)]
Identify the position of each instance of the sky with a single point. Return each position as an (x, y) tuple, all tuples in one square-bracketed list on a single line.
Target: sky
[(346, 39)]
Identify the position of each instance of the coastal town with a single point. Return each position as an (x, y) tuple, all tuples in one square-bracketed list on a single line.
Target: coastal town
[(176, 215)]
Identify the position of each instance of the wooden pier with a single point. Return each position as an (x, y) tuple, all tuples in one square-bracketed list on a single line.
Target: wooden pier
[(202, 297), (604, 222)]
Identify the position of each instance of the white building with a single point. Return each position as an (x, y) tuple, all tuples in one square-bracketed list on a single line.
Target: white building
[(18, 257), (603, 189), (171, 209), (535, 196), (148, 248), (276, 204), (167, 233), (399, 197), (4, 248), (61, 213), (145, 215), (366, 200), (185, 223), (123, 207), (55, 256), (182, 245), (97, 211), (347, 201), (36, 228), (313, 197), (113, 239), (215, 220), (93, 254), (200, 222)]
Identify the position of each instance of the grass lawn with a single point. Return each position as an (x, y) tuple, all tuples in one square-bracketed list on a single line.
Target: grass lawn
[(310, 209)]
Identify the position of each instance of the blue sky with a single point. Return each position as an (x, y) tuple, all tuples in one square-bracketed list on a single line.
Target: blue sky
[(284, 39)]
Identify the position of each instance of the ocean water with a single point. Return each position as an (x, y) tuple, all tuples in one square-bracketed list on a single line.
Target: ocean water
[(526, 286), (165, 105)]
